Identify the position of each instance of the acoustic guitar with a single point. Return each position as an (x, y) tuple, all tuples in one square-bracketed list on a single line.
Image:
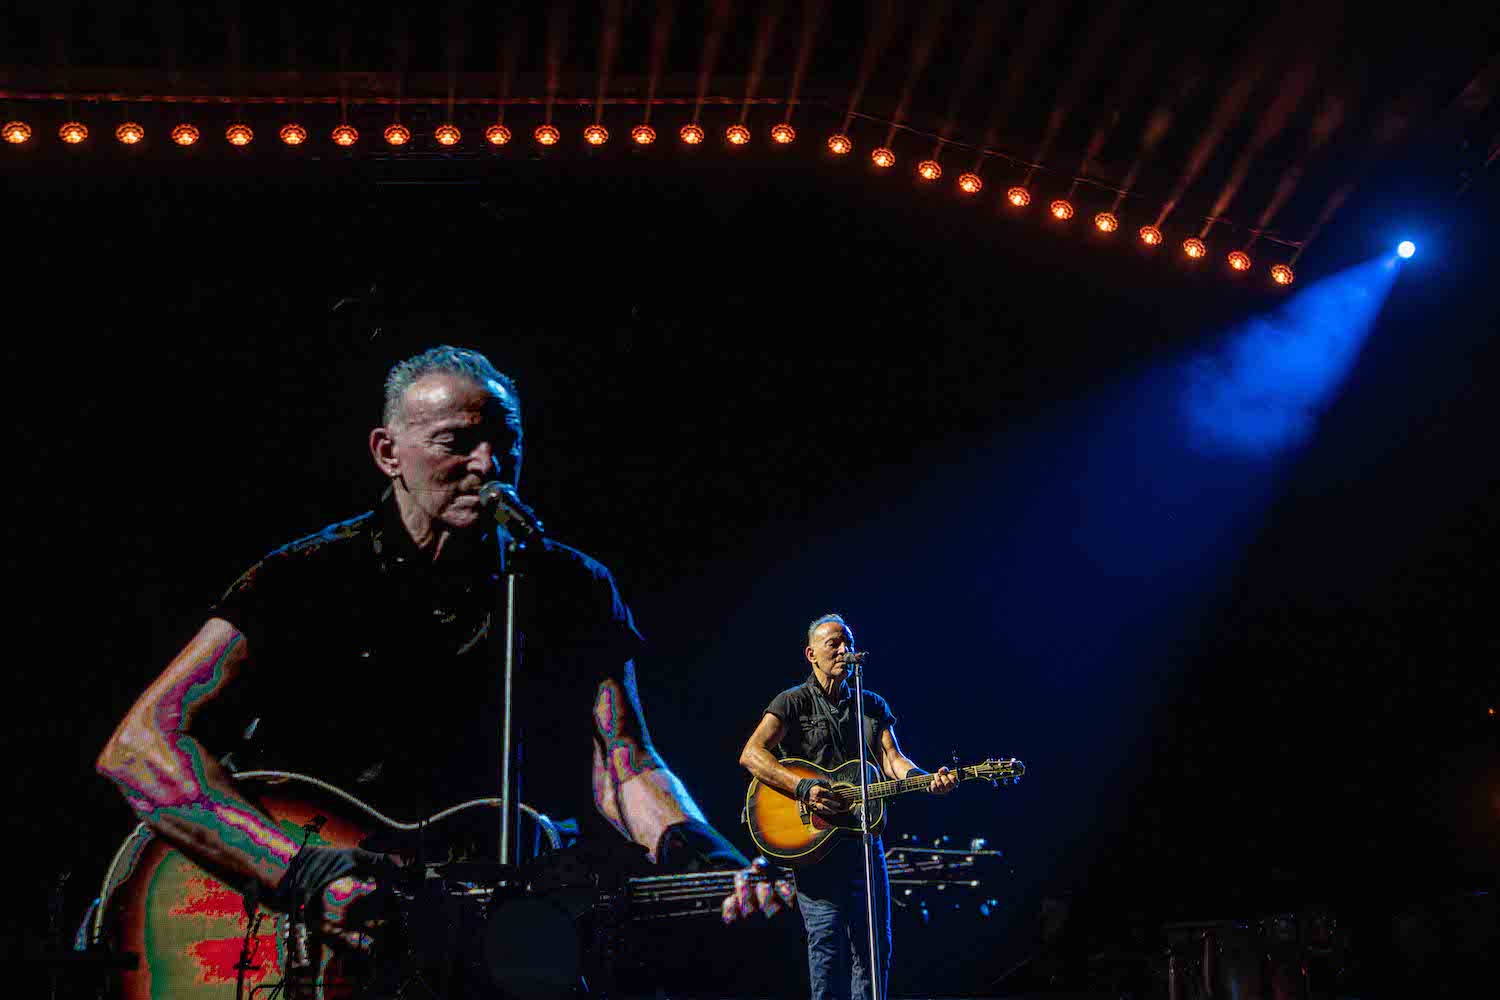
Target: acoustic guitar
[(789, 831), (189, 928)]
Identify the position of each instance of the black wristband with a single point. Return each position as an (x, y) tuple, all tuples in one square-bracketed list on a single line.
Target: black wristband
[(805, 787), (313, 868), (694, 846)]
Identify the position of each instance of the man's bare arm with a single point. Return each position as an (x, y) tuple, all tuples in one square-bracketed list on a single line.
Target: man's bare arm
[(176, 785), (633, 787), (758, 759)]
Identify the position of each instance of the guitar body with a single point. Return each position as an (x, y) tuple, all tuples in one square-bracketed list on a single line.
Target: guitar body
[(787, 831), (188, 927)]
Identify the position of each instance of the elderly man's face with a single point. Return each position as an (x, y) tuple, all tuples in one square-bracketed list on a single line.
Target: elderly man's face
[(830, 641), (455, 435)]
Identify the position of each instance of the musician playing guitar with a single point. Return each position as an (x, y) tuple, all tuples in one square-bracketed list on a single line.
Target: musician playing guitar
[(814, 721), (365, 654)]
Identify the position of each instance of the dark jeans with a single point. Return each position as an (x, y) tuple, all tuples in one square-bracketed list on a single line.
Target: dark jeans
[(831, 896)]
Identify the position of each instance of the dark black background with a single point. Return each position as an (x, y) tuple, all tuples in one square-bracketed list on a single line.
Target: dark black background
[(754, 387)]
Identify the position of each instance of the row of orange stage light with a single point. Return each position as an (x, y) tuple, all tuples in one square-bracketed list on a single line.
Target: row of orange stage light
[(692, 134)]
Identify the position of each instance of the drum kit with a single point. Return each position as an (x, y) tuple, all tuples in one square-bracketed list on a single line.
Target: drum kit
[(1282, 956)]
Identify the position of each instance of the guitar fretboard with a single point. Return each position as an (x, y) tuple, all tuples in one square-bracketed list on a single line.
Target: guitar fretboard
[(900, 786)]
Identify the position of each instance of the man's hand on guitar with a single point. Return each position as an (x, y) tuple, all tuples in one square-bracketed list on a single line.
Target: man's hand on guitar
[(944, 781), (755, 890), (820, 798), (346, 919)]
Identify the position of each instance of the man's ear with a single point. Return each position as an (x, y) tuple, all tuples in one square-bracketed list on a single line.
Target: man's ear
[(811, 659), (383, 451)]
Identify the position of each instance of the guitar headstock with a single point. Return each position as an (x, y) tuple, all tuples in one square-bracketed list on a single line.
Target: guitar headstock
[(997, 771)]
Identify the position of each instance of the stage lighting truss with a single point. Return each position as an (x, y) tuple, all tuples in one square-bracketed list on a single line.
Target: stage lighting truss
[(73, 132)]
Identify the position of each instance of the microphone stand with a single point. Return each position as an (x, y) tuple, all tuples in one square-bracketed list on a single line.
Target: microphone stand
[(515, 525), (510, 551), (868, 838)]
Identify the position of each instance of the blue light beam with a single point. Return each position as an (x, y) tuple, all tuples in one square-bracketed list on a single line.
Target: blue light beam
[(1260, 393)]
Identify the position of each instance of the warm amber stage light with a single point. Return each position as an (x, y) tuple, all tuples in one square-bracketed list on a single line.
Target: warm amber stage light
[(1018, 196), (783, 133), (1151, 236), (883, 157), (840, 144), (737, 135), (969, 183), (596, 135), (185, 135), (1061, 209), (1193, 247), (397, 135), (1106, 222), (497, 135), (547, 135), (16, 132), (292, 135), (344, 135), (447, 135), (73, 132), (1239, 260), (239, 135), (929, 170), (643, 135), (1282, 275), (130, 133), (691, 134)]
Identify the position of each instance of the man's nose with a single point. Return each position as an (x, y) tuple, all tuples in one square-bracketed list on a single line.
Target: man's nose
[(482, 458)]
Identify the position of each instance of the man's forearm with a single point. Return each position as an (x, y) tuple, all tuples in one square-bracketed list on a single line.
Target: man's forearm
[(764, 765), (182, 793)]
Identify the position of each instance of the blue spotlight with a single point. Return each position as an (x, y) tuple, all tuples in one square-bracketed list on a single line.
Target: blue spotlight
[(1405, 249)]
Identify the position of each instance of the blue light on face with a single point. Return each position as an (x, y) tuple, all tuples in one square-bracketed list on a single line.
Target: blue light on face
[(1406, 249)]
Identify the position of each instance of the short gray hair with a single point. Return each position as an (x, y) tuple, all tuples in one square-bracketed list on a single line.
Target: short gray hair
[(824, 620), (440, 360)]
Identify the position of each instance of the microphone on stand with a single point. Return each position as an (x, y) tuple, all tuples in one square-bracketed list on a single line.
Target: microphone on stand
[(854, 659), (500, 499)]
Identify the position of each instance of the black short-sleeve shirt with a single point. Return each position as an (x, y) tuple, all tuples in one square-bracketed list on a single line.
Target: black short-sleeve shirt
[(822, 732), (372, 671)]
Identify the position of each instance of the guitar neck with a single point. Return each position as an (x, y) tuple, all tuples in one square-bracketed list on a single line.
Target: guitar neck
[(902, 786), (656, 897)]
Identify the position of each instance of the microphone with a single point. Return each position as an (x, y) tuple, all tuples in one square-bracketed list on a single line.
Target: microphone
[(501, 500), (853, 659)]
